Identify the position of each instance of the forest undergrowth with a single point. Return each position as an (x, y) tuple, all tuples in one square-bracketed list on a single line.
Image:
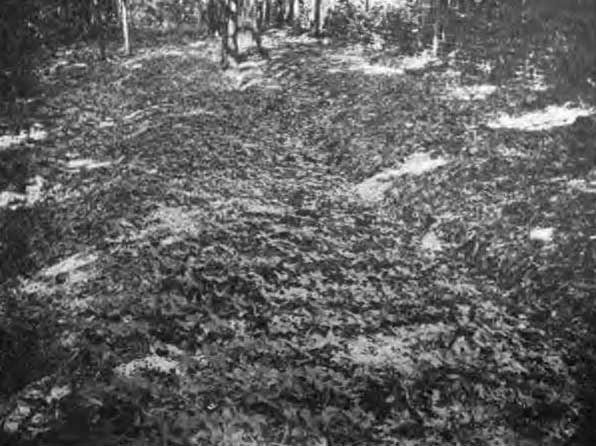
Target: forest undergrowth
[(200, 269)]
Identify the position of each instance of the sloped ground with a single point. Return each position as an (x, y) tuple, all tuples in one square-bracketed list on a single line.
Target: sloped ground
[(206, 270)]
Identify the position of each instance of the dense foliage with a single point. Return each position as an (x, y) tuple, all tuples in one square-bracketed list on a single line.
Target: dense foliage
[(207, 220)]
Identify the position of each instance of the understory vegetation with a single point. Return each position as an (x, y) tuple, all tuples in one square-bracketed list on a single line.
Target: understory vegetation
[(381, 234)]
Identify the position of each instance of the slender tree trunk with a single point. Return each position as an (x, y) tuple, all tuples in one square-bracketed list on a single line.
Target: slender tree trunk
[(439, 11), (223, 31), (123, 8), (267, 12), (233, 27), (97, 25), (229, 31), (291, 11), (260, 4), (301, 23)]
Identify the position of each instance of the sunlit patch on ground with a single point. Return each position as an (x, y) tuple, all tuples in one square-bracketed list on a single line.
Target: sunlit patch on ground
[(430, 243), (180, 221), (377, 70), (355, 59), (438, 345), (106, 124), (248, 74), (418, 61), (170, 240), (176, 220), (59, 193), (64, 66), (169, 359), (583, 185), (510, 152), (398, 351), (471, 92), (374, 188), (149, 363), (356, 62), (34, 133), (86, 163), (32, 195), (70, 264), (198, 111), (551, 117), (74, 270), (544, 235)]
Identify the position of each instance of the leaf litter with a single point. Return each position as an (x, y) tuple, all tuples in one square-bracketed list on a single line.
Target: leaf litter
[(295, 299)]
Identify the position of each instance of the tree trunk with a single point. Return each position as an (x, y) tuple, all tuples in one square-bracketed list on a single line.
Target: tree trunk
[(98, 25), (267, 13), (229, 31), (439, 11), (316, 17), (123, 8), (279, 13), (291, 13)]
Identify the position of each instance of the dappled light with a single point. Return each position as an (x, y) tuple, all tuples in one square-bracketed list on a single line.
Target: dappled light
[(551, 117), (362, 65), (354, 60), (34, 134), (542, 234), (373, 188), (471, 92), (418, 62), (583, 185), (63, 276), (266, 223), (398, 351), (32, 195), (88, 164), (155, 363), (248, 75), (176, 220), (69, 264)]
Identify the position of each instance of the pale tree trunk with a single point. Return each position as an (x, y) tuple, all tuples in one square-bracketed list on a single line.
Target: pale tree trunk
[(232, 35), (439, 11), (123, 8), (435, 44), (291, 14), (229, 31)]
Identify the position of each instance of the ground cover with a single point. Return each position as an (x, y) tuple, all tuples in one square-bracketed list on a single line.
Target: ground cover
[(201, 265)]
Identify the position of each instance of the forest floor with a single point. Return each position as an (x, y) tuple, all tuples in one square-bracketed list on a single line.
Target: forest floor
[(202, 257)]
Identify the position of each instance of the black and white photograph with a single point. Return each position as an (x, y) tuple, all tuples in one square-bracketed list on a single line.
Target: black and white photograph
[(297, 222)]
